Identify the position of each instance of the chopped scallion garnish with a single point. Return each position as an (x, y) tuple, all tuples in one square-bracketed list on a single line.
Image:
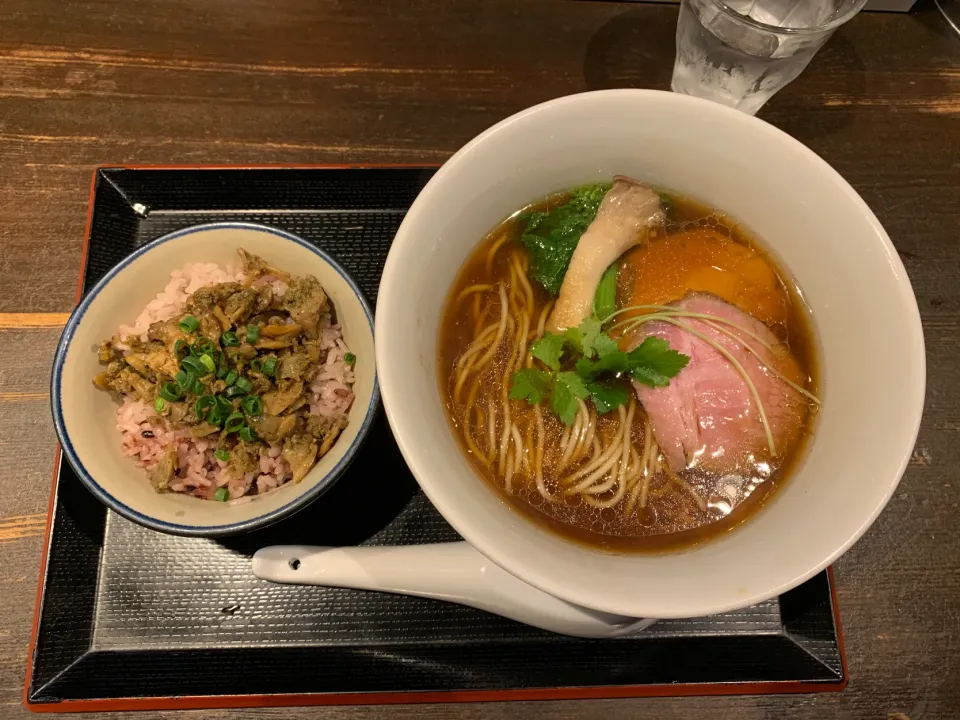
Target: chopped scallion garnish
[(252, 405), (269, 367), (248, 434), (181, 348), (350, 359), (188, 383), (221, 411), (222, 373), (253, 333), (194, 366), (221, 495), (203, 346), (159, 404), (208, 363), (203, 406), (234, 423), (171, 392), (234, 392), (229, 339), (188, 324), (244, 384), (221, 455), (231, 378)]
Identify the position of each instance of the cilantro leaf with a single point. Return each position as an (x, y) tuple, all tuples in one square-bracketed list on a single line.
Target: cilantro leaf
[(653, 363), (552, 236), (605, 299), (567, 388), (583, 336), (549, 350), (607, 397), (615, 362), (604, 345), (530, 384), (575, 383)]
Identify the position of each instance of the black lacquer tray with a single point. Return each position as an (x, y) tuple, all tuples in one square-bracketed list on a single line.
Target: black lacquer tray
[(129, 618)]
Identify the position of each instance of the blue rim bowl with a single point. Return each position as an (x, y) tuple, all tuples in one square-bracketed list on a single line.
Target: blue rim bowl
[(84, 417)]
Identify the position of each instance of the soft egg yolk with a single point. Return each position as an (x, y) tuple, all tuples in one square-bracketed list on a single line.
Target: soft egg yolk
[(703, 260)]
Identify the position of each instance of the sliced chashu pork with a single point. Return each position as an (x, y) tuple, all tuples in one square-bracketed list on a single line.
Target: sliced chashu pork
[(707, 416), (628, 211)]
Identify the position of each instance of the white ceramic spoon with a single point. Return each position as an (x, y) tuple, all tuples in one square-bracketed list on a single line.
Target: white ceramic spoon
[(454, 572)]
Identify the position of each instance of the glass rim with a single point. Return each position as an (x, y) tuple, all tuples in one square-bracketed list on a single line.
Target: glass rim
[(855, 7)]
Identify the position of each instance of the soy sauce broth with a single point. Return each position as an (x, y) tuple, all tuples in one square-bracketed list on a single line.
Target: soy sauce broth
[(672, 519)]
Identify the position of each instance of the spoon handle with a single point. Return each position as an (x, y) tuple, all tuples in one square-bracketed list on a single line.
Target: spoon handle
[(453, 572)]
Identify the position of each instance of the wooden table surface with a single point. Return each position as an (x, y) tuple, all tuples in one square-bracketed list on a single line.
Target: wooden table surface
[(84, 84)]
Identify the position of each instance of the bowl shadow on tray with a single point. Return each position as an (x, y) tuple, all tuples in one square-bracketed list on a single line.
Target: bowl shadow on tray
[(366, 498), (636, 49)]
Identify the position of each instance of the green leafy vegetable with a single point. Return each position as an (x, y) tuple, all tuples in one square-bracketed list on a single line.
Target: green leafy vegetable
[(667, 203), (567, 388), (585, 363), (552, 236), (549, 350), (583, 337), (615, 362), (605, 345), (606, 396), (605, 300), (653, 362), (530, 384)]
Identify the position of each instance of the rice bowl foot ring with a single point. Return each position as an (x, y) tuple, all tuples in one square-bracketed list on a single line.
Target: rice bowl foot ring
[(452, 572)]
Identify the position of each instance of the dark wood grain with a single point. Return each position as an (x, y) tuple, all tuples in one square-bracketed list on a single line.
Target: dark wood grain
[(273, 81)]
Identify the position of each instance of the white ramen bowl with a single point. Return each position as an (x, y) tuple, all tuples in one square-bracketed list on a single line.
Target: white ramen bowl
[(865, 319), (85, 417)]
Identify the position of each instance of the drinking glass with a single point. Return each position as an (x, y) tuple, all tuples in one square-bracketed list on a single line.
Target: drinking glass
[(740, 52)]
